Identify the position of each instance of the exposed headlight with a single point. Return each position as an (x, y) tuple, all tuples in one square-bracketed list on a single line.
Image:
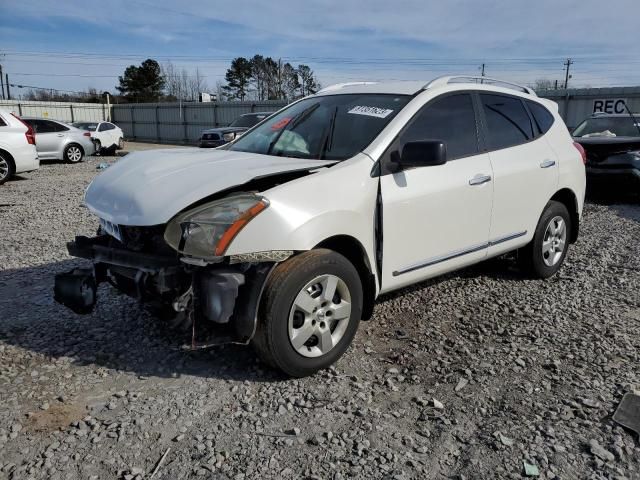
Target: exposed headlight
[(229, 136), (206, 231)]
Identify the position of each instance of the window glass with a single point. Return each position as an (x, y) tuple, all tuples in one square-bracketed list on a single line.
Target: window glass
[(86, 126), (41, 126), (59, 127), (2, 123), (102, 127), (109, 126), (541, 115), (450, 119), (331, 127), (507, 121), (625, 126)]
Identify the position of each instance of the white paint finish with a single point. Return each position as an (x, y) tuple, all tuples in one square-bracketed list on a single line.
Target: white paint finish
[(521, 189), (149, 188), (107, 138), (432, 212), (13, 140), (333, 201)]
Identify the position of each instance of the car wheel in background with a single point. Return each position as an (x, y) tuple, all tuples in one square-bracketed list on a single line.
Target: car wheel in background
[(545, 254), (121, 143), (309, 313), (73, 153), (98, 146), (7, 169)]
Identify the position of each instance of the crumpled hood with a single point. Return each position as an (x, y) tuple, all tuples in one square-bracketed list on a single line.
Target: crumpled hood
[(149, 188)]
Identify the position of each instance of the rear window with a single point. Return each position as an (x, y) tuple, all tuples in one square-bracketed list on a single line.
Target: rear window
[(541, 115), (608, 127), (507, 121), (86, 126)]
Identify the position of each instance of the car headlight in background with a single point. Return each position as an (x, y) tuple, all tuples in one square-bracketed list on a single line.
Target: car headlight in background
[(206, 231), (227, 137)]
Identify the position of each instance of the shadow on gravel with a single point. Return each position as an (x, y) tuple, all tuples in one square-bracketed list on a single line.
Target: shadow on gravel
[(118, 335), (624, 201)]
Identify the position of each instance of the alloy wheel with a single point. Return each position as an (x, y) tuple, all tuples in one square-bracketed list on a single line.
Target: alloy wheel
[(74, 154), (554, 241), (4, 169), (319, 316)]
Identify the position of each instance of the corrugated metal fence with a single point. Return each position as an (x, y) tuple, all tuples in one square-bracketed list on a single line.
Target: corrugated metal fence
[(181, 122), (63, 111), (576, 104)]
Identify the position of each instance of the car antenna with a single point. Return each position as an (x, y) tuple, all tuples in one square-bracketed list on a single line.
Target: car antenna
[(635, 120)]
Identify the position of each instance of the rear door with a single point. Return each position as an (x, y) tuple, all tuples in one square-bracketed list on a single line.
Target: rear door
[(436, 218), (47, 138), (525, 170)]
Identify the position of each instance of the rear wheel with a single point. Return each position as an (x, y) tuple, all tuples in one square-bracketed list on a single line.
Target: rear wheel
[(545, 254), (310, 312), (98, 147), (7, 169), (73, 153)]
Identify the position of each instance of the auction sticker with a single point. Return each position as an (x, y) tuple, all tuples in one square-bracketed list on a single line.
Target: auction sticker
[(371, 111)]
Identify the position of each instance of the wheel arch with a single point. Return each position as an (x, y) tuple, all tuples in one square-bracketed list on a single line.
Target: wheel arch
[(354, 251), (8, 155), (568, 198)]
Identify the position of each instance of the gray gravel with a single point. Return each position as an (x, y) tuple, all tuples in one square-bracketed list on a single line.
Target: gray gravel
[(480, 374)]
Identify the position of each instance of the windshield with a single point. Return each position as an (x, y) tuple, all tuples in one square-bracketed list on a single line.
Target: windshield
[(86, 126), (332, 127), (608, 127), (247, 121)]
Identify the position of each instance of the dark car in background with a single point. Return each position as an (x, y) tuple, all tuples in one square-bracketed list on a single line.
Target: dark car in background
[(612, 145), (215, 137)]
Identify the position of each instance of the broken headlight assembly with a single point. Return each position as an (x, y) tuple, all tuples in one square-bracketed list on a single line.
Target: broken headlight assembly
[(206, 231)]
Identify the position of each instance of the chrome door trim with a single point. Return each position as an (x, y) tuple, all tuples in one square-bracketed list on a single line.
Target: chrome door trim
[(439, 259), (547, 163), (506, 238), (458, 253)]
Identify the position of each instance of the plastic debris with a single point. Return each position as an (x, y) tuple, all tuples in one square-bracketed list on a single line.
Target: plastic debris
[(628, 412), (102, 166), (530, 470)]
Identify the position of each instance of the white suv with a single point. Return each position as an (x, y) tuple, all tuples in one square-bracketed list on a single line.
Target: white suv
[(17, 146), (285, 237)]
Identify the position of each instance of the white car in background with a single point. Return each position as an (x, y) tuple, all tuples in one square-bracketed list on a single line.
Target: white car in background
[(17, 146), (107, 136), (285, 237)]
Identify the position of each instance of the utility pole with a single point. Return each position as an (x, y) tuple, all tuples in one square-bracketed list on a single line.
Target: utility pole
[(555, 87), (482, 70), (1, 83), (567, 64), (6, 78)]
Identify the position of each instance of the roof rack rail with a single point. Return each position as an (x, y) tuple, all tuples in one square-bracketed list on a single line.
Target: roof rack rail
[(338, 86), (448, 79)]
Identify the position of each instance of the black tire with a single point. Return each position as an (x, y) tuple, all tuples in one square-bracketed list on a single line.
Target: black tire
[(98, 147), (271, 340), (70, 153), (7, 168), (531, 257)]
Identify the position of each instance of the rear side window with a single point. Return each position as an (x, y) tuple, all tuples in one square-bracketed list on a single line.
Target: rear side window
[(41, 126), (450, 119), (507, 121), (58, 127), (541, 115), (2, 122)]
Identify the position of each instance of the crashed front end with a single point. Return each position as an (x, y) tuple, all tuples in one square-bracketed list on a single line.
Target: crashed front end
[(179, 269), (167, 218)]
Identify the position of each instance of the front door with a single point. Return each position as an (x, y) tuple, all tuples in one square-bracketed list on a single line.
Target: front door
[(437, 218)]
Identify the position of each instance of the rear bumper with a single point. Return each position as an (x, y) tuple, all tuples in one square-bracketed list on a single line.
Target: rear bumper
[(26, 158), (614, 176)]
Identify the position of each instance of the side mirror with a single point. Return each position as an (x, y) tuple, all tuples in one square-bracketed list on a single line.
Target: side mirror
[(423, 153)]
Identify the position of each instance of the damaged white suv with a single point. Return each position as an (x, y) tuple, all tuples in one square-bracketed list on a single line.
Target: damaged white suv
[(285, 237)]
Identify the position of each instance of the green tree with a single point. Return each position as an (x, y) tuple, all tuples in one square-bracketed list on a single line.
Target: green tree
[(143, 83), (308, 82), (238, 77)]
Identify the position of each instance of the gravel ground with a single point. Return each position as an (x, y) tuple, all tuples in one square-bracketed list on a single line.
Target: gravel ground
[(480, 374)]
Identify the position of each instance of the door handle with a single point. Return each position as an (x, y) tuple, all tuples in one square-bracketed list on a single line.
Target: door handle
[(60, 135), (480, 179), (547, 163)]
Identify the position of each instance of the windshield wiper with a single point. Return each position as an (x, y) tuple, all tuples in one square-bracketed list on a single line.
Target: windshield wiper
[(328, 139), (635, 121), (295, 121)]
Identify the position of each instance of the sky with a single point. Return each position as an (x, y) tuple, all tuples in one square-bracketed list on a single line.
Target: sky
[(76, 44)]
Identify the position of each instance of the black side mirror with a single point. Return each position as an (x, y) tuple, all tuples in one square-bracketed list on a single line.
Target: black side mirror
[(423, 153)]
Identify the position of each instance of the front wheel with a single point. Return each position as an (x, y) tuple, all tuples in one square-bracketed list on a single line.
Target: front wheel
[(73, 153), (545, 254), (310, 312), (7, 169)]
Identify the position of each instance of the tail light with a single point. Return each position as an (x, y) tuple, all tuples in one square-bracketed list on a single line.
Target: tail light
[(583, 154), (87, 134), (30, 133)]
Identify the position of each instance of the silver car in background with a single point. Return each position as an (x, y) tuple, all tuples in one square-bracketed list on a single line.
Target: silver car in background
[(60, 141)]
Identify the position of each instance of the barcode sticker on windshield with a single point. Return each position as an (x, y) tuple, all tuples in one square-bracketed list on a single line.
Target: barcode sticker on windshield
[(371, 111)]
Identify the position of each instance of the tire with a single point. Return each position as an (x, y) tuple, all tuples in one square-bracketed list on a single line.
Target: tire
[(7, 168), (329, 329), (545, 254), (73, 153), (98, 147)]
